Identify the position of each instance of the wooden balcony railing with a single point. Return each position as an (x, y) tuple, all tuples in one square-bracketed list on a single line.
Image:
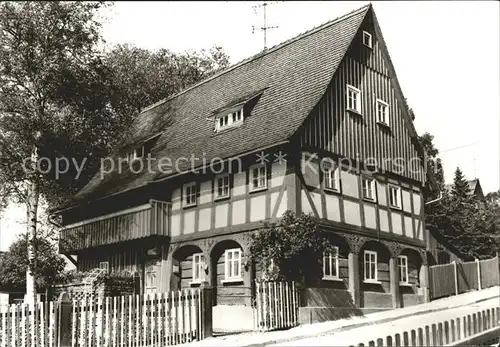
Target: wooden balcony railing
[(134, 223)]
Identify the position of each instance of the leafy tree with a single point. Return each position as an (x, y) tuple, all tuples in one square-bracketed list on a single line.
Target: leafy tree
[(471, 227), (291, 249), (14, 264), (141, 77)]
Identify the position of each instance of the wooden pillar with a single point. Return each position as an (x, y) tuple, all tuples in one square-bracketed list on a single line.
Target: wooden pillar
[(64, 308), (394, 277), (424, 282), (167, 262), (354, 279)]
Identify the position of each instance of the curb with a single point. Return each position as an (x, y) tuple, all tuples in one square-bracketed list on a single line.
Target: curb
[(358, 325)]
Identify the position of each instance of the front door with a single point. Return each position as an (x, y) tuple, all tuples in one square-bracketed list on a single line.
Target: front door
[(151, 275)]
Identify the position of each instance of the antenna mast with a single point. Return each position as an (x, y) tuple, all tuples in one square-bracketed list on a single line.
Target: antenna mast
[(264, 28)]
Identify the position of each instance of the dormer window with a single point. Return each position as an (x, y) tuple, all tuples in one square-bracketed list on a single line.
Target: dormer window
[(135, 153), (227, 120), (367, 39)]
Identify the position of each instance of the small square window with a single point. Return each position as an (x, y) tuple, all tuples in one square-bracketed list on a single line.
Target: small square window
[(189, 194), (104, 265), (232, 264), (258, 177), (367, 39), (222, 186), (370, 266), (353, 99), (382, 112), (394, 196), (368, 188), (403, 269)]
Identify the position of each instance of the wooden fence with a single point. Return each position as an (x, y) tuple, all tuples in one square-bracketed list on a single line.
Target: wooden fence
[(457, 278), (276, 305), (458, 331), (21, 326), (151, 320)]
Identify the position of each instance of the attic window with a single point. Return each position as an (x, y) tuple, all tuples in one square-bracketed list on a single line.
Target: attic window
[(135, 153), (230, 119), (367, 39)]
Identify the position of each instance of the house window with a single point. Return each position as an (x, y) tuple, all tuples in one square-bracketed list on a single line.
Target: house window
[(331, 264), (190, 194), (198, 267), (370, 266), (331, 178), (222, 186), (382, 112), (368, 188), (367, 39), (229, 119), (258, 177), (353, 99), (403, 269), (395, 196), (232, 264), (104, 265)]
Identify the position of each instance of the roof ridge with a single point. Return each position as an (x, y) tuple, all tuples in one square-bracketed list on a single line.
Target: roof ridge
[(260, 54)]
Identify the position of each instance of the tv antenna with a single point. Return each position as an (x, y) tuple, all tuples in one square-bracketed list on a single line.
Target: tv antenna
[(264, 28)]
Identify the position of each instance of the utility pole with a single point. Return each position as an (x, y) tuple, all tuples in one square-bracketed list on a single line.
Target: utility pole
[(264, 28)]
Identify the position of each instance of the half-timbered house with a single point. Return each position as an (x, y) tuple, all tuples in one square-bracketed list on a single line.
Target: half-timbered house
[(317, 124)]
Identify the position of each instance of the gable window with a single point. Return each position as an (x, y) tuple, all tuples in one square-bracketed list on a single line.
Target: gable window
[(368, 188), (222, 186), (370, 266), (382, 112), (403, 269), (189, 194), (198, 267), (394, 196), (331, 264), (258, 177), (353, 99), (232, 264), (229, 119), (367, 39), (331, 178)]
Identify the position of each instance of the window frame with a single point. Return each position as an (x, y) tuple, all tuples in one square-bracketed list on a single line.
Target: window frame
[(230, 119), (101, 263), (229, 265), (398, 196), (370, 39), (372, 181), (327, 170), (386, 115), (251, 178), (185, 195), (357, 92), (198, 262), (328, 255), (371, 279), (401, 268), (216, 187)]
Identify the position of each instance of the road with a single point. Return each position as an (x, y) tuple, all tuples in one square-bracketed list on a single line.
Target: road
[(373, 332)]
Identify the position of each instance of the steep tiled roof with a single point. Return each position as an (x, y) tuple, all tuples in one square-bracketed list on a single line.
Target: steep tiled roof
[(472, 186), (292, 77)]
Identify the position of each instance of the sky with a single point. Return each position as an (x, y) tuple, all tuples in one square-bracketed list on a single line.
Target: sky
[(446, 56)]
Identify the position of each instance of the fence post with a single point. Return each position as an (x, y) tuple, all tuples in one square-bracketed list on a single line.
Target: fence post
[(456, 276), (63, 320), (478, 263), (206, 312)]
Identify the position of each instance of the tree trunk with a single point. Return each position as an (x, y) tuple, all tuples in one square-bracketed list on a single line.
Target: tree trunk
[(32, 210)]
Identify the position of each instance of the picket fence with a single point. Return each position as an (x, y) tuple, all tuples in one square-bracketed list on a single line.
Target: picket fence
[(21, 326), (276, 305), (457, 278), (152, 320)]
